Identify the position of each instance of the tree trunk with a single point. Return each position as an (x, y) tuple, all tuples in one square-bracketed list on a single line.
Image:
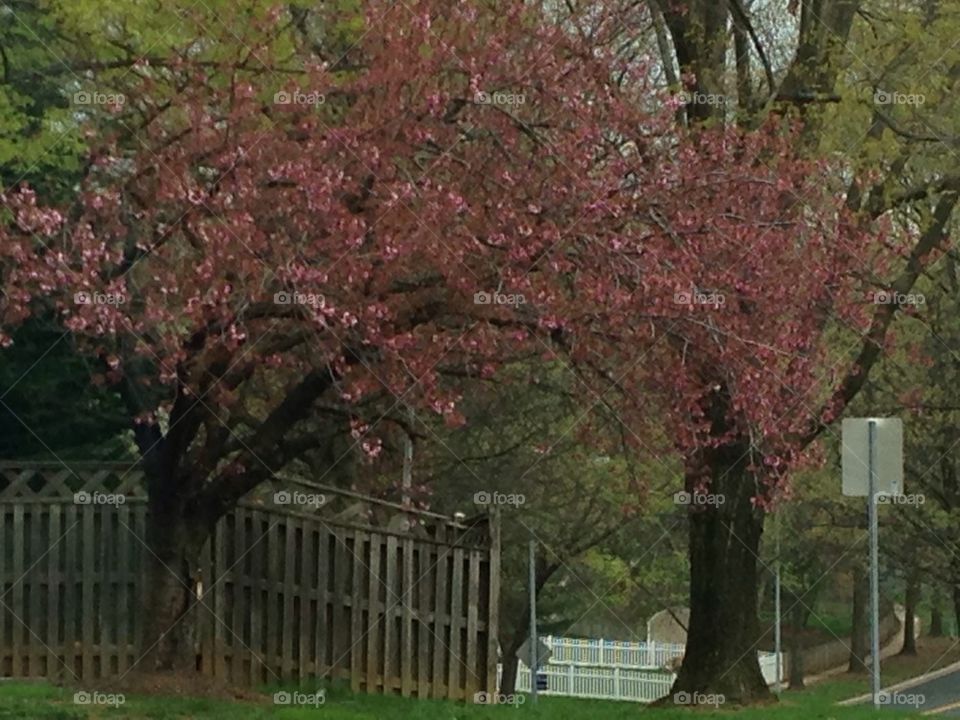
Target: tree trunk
[(859, 629), (721, 651), (956, 606), (510, 644), (508, 680), (799, 618), (936, 615), (175, 536), (911, 601)]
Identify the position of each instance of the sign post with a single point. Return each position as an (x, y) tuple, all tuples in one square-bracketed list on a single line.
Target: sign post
[(777, 639), (533, 621), (874, 563), (872, 459)]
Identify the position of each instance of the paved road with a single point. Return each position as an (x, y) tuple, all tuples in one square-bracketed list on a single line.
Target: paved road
[(939, 696)]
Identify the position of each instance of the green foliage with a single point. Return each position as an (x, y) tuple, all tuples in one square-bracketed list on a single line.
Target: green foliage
[(40, 141), (49, 409), (594, 507)]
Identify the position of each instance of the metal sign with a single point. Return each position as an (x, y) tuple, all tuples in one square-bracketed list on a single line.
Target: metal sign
[(887, 456), (544, 653)]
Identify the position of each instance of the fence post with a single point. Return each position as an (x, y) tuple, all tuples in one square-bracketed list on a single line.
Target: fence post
[(570, 679), (616, 683)]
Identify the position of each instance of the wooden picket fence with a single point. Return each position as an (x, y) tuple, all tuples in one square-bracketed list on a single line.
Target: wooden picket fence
[(283, 595)]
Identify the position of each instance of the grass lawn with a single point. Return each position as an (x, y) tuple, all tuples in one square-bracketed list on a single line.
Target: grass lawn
[(19, 701), (932, 654), (823, 628), (40, 701)]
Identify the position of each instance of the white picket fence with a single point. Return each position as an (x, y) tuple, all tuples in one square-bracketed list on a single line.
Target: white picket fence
[(612, 653), (614, 670), (605, 683)]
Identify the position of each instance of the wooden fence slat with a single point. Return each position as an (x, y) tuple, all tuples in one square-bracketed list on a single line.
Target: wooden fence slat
[(287, 627), (124, 577), (454, 689), (104, 545), (342, 613), (408, 594), (17, 603), (87, 591), (473, 678), (112, 643), (53, 591), (205, 622), (425, 571), (440, 623), (305, 593), (273, 633), (241, 595), (71, 554), (356, 612), (256, 599), (218, 589), (34, 585), (374, 618), (393, 601), (122, 589), (324, 616), (140, 528)]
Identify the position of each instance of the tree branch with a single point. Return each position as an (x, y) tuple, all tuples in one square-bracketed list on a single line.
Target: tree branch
[(873, 341)]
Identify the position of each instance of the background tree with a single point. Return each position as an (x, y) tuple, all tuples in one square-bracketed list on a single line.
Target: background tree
[(593, 504), (739, 63)]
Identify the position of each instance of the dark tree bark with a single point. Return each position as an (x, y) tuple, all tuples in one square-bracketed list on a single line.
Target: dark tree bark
[(936, 615), (177, 530), (859, 630), (798, 618), (511, 667), (186, 497), (721, 652), (911, 601), (956, 606)]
